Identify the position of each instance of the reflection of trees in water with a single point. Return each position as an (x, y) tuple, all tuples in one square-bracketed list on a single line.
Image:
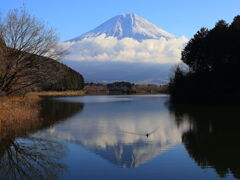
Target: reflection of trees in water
[(31, 157), (213, 139), (53, 111)]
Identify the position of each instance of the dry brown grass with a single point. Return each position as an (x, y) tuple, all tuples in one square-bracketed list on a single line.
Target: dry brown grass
[(57, 93), (21, 115), (17, 115)]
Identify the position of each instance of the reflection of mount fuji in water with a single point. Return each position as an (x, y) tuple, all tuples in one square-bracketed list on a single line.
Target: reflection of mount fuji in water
[(131, 155), (117, 130)]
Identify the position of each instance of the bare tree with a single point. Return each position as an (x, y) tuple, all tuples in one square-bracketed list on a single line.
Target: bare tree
[(24, 40)]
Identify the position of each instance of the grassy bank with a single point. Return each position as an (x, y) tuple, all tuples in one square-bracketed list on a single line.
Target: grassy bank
[(57, 93), (17, 112)]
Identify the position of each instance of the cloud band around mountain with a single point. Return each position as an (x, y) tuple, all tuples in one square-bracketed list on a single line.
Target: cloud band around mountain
[(104, 48)]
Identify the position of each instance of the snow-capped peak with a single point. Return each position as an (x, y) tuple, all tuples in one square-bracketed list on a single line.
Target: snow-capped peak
[(127, 25)]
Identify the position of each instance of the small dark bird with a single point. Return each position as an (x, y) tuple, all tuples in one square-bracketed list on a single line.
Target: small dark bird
[(147, 135)]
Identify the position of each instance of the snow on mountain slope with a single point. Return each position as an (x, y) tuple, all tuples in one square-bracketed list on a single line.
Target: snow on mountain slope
[(127, 25), (125, 48)]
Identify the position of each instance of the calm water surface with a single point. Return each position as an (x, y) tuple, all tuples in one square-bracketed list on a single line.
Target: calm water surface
[(123, 137)]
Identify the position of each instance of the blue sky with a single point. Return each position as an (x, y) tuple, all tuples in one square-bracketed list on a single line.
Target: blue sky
[(180, 17)]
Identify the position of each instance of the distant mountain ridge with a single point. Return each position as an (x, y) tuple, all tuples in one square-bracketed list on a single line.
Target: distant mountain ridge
[(127, 26), (107, 72)]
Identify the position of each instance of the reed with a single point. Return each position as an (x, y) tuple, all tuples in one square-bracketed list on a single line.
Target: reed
[(57, 93), (18, 115)]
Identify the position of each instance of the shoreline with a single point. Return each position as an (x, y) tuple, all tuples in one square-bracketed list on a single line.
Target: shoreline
[(81, 93), (57, 93)]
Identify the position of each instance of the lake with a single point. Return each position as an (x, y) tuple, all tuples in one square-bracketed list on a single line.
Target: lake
[(123, 137)]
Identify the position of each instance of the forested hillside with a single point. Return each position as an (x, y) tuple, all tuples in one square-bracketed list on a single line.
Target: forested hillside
[(46, 74)]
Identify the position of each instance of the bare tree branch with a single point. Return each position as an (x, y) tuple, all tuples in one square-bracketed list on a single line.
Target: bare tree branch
[(23, 40)]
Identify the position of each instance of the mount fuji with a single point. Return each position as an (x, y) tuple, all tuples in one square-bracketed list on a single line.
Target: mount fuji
[(127, 26), (125, 48)]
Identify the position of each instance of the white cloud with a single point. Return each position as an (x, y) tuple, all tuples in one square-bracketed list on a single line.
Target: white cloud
[(104, 48)]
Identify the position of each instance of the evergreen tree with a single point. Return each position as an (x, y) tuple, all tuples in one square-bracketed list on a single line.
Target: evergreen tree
[(213, 57)]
